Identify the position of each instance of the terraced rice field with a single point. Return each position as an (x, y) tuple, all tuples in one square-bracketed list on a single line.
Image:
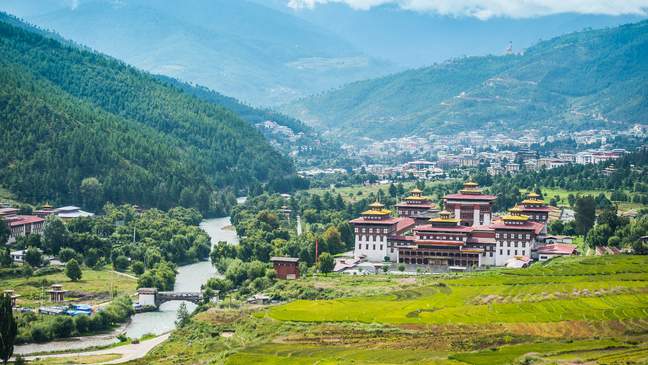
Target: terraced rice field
[(590, 289), (590, 310)]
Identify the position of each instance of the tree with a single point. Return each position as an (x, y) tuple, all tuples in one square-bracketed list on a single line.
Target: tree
[(121, 263), (33, 257), (91, 257), (55, 234), (585, 210), (8, 329), (326, 263), (5, 257), (183, 316), (92, 193), (66, 254), (5, 232), (73, 270), (401, 267), (138, 268)]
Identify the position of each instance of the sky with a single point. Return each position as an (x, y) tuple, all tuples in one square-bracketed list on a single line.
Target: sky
[(486, 9)]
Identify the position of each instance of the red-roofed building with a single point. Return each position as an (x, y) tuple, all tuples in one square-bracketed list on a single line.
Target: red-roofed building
[(547, 252), (446, 240), (535, 208), (470, 205), (23, 225), (416, 206)]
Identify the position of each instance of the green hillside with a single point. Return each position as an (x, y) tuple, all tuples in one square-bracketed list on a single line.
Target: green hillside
[(68, 114), (574, 81), (241, 48)]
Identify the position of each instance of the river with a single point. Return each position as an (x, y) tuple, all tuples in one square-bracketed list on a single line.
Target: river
[(189, 278)]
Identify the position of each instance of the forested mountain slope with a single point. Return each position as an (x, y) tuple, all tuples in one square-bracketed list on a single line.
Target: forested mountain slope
[(246, 50), (575, 81), (68, 114)]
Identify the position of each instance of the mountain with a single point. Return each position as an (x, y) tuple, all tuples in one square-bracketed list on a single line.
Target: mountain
[(418, 38), (288, 135), (69, 114), (579, 80), (246, 50)]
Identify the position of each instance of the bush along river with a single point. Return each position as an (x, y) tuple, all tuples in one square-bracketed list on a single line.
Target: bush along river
[(189, 279)]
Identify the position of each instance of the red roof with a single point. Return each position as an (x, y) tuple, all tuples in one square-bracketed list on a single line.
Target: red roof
[(482, 240), (439, 242), (527, 226), (558, 249), (431, 228), (538, 209), (404, 223), (471, 197), (407, 205), (363, 220), (21, 220)]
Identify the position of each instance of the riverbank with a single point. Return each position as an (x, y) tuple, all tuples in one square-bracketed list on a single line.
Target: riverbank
[(114, 355), (189, 278)]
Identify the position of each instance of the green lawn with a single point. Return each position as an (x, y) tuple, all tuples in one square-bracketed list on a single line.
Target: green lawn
[(95, 286)]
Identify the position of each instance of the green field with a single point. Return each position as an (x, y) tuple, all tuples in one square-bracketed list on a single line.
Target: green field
[(94, 287), (502, 296), (567, 310)]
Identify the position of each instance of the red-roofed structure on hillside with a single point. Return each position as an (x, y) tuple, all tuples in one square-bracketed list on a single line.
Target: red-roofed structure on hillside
[(550, 251), (470, 205), (21, 225), (373, 230), (418, 207)]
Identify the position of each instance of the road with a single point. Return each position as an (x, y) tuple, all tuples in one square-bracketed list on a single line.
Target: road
[(127, 352)]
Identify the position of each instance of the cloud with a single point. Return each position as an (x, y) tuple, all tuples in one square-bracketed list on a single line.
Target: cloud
[(485, 9)]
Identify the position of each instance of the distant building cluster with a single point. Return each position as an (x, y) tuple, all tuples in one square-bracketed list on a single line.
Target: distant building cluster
[(465, 235)]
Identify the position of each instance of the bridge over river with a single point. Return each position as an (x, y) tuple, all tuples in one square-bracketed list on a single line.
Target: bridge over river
[(152, 297)]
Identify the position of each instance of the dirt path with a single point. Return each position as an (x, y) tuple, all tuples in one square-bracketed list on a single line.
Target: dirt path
[(127, 352)]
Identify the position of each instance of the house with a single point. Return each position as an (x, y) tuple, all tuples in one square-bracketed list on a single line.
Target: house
[(24, 225), (11, 295), (70, 212), (57, 294), (550, 251), (287, 268), (260, 299)]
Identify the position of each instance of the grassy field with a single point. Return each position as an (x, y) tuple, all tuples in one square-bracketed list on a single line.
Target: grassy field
[(94, 287), (568, 310), (535, 296), (549, 193), (74, 360)]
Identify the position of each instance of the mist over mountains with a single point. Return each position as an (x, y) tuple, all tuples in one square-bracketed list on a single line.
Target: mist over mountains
[(242, 49)]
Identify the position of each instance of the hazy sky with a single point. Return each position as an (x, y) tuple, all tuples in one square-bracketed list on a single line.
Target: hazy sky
[(485, 9)]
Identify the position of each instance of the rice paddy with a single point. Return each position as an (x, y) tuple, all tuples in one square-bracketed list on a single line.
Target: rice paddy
[(569, 310)]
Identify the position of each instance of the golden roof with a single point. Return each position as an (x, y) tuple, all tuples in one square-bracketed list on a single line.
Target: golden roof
[(376, 205), (533, 201), (416, 191), (417, 198), (376, 212), (515, 209), (520, 218), (47, 206), (470, 183), (533, 195)]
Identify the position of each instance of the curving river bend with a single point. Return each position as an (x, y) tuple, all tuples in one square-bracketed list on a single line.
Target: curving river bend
[(189, 278)]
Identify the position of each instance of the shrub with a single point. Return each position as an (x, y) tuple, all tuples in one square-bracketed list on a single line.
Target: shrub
[(73, 270), (121, 263)]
